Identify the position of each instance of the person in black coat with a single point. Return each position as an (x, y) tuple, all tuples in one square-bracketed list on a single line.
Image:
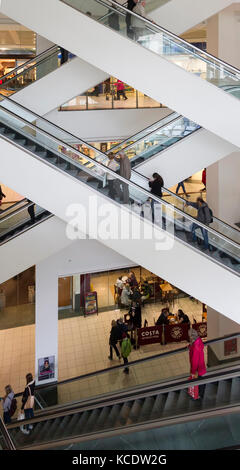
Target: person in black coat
[(2, 195), (130, 5), (135, 313), (28, 402), (156, 184), (163, 318), (114, 338)]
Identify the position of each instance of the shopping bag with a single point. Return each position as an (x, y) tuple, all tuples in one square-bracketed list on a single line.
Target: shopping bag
[(193, 390), (21, 416)]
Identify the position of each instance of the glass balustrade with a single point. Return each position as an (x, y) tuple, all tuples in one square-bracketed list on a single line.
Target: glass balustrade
[(15, 220), (31, 71), (159, 41), (49, 143)]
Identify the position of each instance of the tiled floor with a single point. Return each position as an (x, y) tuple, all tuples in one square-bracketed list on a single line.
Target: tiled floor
[(83, 348)]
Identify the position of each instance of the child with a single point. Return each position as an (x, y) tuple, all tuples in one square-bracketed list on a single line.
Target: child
[(126, 348)]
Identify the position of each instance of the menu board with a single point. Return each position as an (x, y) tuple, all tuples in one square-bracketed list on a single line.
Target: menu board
[(90, 303)]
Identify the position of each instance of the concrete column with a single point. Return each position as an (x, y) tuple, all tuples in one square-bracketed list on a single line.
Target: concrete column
[(223, 189), (219, 325), (46, 322)]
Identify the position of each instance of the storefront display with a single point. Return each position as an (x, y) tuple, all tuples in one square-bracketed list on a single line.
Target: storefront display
[(90, 303)]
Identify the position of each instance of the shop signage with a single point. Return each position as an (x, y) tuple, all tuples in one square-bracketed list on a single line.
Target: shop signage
[(201, 329), (46, 368), (90, 303), (176, 333), (230, 347), (150, 335)]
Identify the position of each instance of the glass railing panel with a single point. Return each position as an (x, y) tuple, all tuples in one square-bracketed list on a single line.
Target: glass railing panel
[(142, 134), (155, 370), (161, 139), (20, 219), (11, 207), (30, 72), (202, 434), (88, 170), (160, 41)]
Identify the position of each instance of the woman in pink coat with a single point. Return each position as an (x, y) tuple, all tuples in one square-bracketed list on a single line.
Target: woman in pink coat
[(196, 357)]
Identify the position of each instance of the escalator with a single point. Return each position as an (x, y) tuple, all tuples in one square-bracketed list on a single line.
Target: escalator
[(173, 64), (174, 147), (151, 402), (49, 78), (45, 159), (24, 240)]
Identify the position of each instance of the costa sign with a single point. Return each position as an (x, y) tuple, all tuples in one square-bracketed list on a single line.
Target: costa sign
[(150, 335)]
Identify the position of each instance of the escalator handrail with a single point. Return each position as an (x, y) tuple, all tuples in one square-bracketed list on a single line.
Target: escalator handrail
[(234, 70), (23, 66), (132, 363), (17, 211), (16, 204), (144, 129), (6, 436), (147, 135), (107, 170), (176, 196), (130, 394)]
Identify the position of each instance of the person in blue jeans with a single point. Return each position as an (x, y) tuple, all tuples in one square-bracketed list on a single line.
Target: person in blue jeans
[(204, 217), (181, 185)]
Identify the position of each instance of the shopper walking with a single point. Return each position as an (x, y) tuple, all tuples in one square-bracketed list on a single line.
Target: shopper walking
[(9, 404), (120, 89), (181, 185), (138, 25), (114, 338), (125, 172), (204, 216), (130, 5), (196, 358), (28, 402), (156, 184), (126, 349), (112, 182)]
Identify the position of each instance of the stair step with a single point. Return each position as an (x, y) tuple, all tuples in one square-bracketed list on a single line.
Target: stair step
[(210, 395), (147, 408), (52, 160), (124, 412), (158, 406), (135, 411), (235, 390), (223, 391), (91, 422), (171, 402), (113, 416), (41, 153), (102, 419), (62, 166), (72, 172)]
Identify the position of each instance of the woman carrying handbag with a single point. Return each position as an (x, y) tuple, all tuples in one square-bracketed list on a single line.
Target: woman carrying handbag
[(28, 403)]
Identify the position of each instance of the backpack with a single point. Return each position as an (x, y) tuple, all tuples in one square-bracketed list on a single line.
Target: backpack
[(13, 407), (126, 347), (208, 213)]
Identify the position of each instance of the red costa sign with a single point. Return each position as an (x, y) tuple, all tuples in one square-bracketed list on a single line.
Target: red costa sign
[(150, 335)]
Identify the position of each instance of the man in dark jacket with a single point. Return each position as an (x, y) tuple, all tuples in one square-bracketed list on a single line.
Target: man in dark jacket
[(114, 338), (204, 216), (163, 318), (130, 5)]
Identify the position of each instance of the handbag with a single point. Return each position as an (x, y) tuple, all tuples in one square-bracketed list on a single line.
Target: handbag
[(30, 401), (21, 416)]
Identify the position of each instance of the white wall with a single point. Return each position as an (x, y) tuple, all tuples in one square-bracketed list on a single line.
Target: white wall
[(59, 86), (106, 125), (223, 189), (186, 157), (82, 256), (219, 325), (184, 267), (159, 79), (180, 15)]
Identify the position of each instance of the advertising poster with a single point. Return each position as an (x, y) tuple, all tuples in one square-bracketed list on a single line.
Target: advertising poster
[(46, 368), (91, 304), (230, 347)]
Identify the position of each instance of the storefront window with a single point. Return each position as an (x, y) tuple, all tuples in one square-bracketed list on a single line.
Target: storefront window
[(111, 94), (17, 300)]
